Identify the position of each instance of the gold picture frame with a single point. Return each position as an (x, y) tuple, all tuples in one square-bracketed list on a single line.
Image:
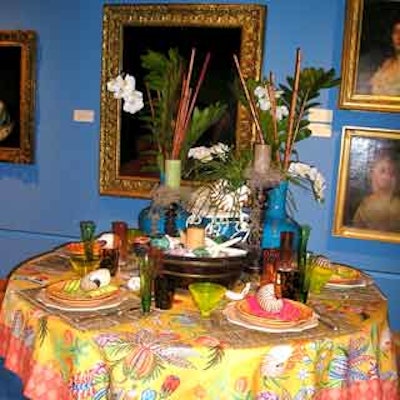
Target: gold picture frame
[(368, 82), (243, 23), (17, 95), (368, 194)]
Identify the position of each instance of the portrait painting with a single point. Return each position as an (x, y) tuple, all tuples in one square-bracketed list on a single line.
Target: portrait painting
[(371, 56), (368, 187), (17, 83)]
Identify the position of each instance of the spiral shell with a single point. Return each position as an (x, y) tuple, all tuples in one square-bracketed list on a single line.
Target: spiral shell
[(267, 300), (95, 279)]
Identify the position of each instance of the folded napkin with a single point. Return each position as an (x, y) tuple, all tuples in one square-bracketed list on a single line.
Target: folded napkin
[(289, 311)]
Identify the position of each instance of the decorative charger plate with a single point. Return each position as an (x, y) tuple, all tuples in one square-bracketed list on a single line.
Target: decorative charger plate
[(81, 307), (292, 314), (235, 317), (69, 292)]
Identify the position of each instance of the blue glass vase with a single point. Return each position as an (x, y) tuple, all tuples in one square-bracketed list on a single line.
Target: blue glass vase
[(153, 222), (276, 219)]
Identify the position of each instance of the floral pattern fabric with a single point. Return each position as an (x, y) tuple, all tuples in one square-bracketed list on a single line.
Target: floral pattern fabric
[(175, 354)]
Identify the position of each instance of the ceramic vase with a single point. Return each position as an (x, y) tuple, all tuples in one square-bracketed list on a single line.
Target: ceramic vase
[(160, 220), (276, 219)]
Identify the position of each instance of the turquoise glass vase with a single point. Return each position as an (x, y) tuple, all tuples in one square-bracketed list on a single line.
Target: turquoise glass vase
[(276, 219)]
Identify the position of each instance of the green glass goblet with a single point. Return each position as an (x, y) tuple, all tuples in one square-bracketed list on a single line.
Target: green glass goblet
[(206, 296)]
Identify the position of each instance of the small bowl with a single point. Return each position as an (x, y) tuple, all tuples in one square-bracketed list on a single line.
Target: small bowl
[(78, 248), (82, 266), (207, 296)]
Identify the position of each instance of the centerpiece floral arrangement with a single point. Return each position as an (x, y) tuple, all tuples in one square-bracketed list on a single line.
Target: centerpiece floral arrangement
[(176, 123), (280, 116), (173, 118)]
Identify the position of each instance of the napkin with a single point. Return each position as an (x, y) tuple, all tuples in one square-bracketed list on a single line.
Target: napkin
[(289, 311)]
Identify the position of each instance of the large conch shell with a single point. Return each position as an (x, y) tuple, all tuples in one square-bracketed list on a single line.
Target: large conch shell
[(267, 300), (95, 279)]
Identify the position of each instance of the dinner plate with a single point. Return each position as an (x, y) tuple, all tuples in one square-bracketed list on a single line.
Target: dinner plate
[(57, 291), (348, 284), (346, 276), (85, 303), (102, 305), (296, 313), (236, 318)]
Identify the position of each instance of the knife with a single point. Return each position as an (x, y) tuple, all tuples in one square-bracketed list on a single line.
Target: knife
[(328, 322)]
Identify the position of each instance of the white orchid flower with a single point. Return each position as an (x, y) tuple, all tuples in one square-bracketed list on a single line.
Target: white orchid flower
[(281, 112), (220, 149), (260, 92), (264, 104), (200, 153), (305, 171), (125, 88), (134, 103), (116, 86)]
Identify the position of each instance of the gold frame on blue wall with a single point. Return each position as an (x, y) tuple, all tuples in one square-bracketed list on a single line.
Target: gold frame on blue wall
[(250, 19), (359, 148), (367, 32), (17, 94)]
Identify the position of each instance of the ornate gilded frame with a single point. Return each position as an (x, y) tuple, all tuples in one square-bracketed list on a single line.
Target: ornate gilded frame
[(355, 163), (367, 26), (250, 20), (17, 85)]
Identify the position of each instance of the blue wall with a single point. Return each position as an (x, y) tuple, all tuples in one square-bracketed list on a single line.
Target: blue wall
[(41, 204)]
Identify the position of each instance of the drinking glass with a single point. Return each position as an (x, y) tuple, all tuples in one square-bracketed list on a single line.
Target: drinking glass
[(87, 236), (146, 279), (314, 276), (206, 296)]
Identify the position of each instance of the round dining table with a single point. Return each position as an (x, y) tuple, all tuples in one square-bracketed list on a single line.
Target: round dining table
[(117, 353)]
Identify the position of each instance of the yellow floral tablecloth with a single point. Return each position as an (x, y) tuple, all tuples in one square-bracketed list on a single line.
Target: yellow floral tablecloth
[(175, 354)]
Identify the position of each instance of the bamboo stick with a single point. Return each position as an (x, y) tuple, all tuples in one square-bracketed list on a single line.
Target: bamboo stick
[(197, 89), (272, 99), (292, 111), (250, 101)]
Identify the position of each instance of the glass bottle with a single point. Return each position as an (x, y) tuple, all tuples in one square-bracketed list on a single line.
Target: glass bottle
[(303, 261), (287, 271)]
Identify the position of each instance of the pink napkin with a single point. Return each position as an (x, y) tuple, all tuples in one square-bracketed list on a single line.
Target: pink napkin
[(289, 311)]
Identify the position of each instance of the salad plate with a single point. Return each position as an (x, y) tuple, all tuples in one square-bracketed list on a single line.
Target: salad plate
[(345, 276), (69, 292)]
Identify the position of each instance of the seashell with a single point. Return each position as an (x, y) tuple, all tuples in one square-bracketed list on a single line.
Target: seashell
[(231, 295), (95, 279), (267, 300), (134, 283), (322, 261), (267, 291), (87, 284)]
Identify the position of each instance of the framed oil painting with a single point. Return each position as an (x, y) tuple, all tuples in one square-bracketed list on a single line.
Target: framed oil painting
[(370, 57), (17, 95), (368, 187), (129, 32)]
